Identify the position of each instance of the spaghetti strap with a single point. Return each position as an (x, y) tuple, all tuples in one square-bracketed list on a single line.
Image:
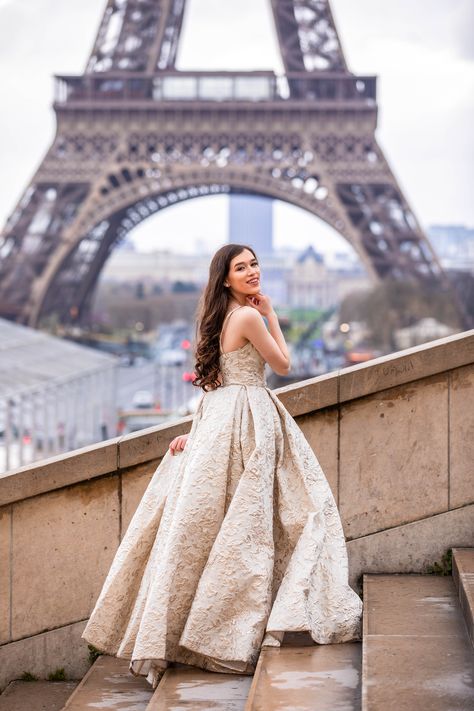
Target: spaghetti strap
[(223, 323)]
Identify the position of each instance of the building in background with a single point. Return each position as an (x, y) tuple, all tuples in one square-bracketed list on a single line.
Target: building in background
[(426, 329), (309, 284), (161, 267), (55, 395), (312, 284), (292, 278), (251, 222)]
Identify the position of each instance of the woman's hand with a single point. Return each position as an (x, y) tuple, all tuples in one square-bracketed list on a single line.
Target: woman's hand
[(260, 302), (178, 444)]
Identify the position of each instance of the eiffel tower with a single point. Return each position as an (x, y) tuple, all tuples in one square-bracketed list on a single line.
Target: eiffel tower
[(135, 135)]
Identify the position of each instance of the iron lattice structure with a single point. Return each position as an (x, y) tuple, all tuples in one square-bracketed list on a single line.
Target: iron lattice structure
[(135, 135)]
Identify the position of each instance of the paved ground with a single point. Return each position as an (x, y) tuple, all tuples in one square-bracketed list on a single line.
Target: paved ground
[(36, 695)]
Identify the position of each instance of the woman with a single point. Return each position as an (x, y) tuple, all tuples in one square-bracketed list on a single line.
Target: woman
[(237, 538)]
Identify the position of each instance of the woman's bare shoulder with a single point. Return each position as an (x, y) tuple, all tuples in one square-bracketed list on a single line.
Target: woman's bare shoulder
[(249, 321), (248, 313)]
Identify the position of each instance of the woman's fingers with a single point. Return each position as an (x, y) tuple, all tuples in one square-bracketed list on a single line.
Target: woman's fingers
[(172, 445), (177, 444)]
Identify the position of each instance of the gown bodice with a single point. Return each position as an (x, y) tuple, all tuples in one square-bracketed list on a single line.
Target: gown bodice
[(242, 366)]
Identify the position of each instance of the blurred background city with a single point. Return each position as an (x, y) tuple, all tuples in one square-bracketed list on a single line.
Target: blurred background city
[(292, 152)]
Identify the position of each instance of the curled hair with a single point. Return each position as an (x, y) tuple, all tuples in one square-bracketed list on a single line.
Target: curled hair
[(212, 308)]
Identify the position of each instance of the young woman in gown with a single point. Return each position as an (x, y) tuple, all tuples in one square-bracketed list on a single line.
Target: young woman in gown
[(237, 538)]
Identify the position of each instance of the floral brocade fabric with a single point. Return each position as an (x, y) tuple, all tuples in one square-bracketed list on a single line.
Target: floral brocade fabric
[(236, 540)]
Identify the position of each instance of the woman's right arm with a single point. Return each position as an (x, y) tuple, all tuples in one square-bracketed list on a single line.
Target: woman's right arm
[(275, 330), (271, 346)]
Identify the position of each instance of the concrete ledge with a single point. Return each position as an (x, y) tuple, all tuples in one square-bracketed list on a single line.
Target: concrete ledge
[(150, 443), (302, 398), (43, 653), (406, 366), (58, 471), (411, 547), (41, 694), (463, 576), (379, 374), (311, 394)]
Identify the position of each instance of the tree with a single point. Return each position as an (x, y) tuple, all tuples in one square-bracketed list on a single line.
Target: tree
[(394, 304)]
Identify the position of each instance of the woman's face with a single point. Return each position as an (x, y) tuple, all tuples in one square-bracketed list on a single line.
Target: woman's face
[(243, 276)]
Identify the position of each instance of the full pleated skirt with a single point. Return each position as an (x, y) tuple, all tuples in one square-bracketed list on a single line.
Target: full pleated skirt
[(235, 541)]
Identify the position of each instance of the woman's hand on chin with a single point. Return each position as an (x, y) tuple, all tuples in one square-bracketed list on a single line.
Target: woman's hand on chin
[(261, 302)]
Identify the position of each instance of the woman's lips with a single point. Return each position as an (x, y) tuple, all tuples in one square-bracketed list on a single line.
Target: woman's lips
[(253, 282)]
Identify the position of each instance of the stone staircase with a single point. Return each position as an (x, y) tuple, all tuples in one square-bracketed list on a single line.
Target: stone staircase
[(403, 486), (417, 652)]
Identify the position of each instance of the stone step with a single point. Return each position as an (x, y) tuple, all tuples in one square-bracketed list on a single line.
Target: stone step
[(110, 686), (307, 677), (416, 651), (463, 576), (198, 690), (36, 695)]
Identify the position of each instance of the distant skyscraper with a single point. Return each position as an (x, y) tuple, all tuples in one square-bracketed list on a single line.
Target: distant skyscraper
[(251, 222)]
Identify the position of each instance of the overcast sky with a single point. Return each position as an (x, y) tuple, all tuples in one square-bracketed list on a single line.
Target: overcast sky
[(422, 51)]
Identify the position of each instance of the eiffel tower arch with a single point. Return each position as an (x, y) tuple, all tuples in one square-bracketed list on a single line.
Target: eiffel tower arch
[(135, 135)]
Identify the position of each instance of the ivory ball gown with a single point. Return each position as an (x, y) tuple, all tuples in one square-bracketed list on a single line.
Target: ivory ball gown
[(236, 540)]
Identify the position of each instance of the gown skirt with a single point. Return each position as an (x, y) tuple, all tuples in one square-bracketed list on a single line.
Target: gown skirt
[(236, 540)]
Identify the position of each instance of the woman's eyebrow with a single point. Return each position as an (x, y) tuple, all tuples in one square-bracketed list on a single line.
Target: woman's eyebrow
[(250, 260)]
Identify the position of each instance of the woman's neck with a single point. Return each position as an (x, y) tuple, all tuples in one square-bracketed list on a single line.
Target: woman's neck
[(234, 303)]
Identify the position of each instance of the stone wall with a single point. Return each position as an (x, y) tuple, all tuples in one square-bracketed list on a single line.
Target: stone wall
[(395, 437)]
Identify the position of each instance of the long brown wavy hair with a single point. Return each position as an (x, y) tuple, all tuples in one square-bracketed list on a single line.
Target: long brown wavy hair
[(211, 311)]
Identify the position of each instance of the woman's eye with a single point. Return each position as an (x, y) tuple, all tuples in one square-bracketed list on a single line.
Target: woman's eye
[(254, 264)]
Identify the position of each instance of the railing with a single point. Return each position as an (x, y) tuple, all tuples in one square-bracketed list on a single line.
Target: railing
[(57, 416), (215, 87)]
